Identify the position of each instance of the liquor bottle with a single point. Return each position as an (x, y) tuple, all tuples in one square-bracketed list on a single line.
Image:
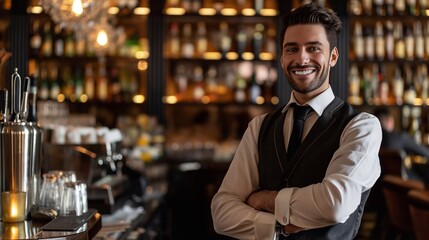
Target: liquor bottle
[(426, 39), (255, 89), (35, 38), (375, 84), (259, 5), (198, 91), (399, 41), (69, 46), (47, 40), (422, 7), (367, 7), (54, 82), (89, 88), (398, 86), (78, 83), (369, 43), (411, 7), (67, 85), (59, 41), (102, 87), (358, 42), (390, 8), (174, 45), (211, 83), (258, 39), (410, 91), (115, 87), (419, 45), (224, 39), (354, 86), (379, 41), (241, 40), (383, 85), (80, 46), (181, 79), (390, 41), (425, 83), (355, 7), (240, 87), (32, 100), (187, 48), (409, 43), (378, 5), (366, 85), (201, 40), (44, 83), (400, 7)]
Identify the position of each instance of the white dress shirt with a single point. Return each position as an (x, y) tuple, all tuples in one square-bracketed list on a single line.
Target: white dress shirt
[(354, 168)]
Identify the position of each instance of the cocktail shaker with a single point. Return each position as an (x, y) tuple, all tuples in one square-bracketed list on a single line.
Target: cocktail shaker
[(20, 142)]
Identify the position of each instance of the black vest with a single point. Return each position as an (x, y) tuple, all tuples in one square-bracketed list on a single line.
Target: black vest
[(309, 164)]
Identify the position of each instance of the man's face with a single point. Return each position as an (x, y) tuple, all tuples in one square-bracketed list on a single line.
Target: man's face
[(306, 58)]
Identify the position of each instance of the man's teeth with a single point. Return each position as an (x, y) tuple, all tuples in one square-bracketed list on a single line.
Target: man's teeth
[(305, 72)]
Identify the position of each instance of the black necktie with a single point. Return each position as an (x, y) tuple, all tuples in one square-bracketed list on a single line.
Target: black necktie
[(299, 115)]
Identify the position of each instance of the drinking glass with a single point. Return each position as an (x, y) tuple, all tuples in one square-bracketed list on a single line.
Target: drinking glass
[(74, 200), (49, 193)]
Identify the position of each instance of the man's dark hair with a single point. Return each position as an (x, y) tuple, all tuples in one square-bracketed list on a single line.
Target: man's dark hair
[(314, 13)]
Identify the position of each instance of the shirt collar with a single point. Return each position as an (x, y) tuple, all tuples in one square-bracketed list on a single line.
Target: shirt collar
[(318, 103)]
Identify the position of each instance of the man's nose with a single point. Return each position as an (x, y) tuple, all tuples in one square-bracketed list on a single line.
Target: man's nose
[(303, 57)]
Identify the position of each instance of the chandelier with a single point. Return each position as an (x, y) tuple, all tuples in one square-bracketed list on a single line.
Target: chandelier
[(75, 14)]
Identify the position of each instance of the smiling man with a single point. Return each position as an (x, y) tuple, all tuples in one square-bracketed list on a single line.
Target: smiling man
[(319, 190)]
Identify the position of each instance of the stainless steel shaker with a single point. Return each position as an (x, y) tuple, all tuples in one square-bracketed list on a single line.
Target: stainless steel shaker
[(16, 148)]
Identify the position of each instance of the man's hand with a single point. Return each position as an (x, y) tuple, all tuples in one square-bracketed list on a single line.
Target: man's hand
[(262, 200)]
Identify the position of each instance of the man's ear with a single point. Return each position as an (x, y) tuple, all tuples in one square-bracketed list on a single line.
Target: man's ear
[(334, 57)]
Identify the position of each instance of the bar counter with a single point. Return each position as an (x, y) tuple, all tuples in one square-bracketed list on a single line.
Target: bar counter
[(36, 230)]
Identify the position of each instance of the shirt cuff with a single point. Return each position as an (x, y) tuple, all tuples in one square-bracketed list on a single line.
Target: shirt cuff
[(282, 206), (264, 225)]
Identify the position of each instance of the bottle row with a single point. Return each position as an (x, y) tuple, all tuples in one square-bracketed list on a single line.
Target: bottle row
[(389, 84), (225, 7), (241, 82), (89, 82), (223, 41), (388, 7), (50, 40), (390, 40)]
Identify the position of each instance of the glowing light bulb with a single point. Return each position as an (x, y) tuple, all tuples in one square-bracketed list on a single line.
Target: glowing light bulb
[(102, 39), (77, 7)]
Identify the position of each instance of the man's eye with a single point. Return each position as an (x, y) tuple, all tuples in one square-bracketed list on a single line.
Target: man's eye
[(313, 49), (290, 49)]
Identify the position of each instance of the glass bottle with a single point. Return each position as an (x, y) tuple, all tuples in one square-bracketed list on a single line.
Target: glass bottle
[(35, 38), (398, 86), (59, 41), (378, 5), (174, 45), (409, 43), (369, 42), (89, 84), (379, 41), (400, 7), (399, 41), (390, 41), (390, 8), (419, 45), (187, 48), (32, 98), (358, 42), (201, 39), (47, 40), (224, 38)]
